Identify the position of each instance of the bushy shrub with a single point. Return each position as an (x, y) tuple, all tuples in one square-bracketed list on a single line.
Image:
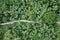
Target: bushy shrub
[(49, 18)]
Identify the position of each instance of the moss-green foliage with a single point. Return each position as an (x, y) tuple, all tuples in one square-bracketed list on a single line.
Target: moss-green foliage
[(45, 11), (27, 31), (49, 18)]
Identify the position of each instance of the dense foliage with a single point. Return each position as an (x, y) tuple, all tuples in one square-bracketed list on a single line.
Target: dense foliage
[(45, 11)]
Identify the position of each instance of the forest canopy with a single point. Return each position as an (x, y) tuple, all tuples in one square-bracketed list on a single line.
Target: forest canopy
[(46, 12)]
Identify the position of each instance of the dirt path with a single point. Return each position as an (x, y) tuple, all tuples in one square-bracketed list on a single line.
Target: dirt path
[(58, 22)]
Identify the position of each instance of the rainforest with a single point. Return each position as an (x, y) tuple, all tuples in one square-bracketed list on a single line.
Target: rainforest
[(29, 19)]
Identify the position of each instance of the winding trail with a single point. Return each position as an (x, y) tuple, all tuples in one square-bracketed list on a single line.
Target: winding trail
[(11, 22)]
